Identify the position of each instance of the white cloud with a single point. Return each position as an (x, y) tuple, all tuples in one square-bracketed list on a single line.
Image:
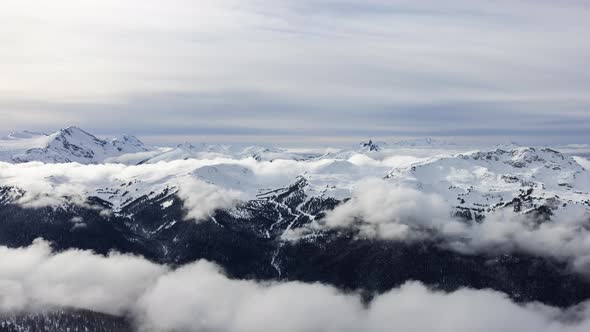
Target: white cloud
[(203, 184), (389, 210), (204, 299), (201, 199), (199, 297), (414, 307), (34, 278), (565, 237), (56, 184), (380, 208)]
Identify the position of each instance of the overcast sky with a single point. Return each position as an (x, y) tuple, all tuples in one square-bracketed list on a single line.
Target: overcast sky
[(298, 71)]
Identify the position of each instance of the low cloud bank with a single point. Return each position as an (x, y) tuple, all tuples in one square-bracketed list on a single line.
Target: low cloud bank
[(378, 208), (389, 210), (34, 277), (199, 297), (201, 199), (54, 185), (204, 184)]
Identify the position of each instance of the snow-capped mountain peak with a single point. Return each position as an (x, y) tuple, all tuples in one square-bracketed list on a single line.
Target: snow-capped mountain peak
[(70, 144), (128, 143)]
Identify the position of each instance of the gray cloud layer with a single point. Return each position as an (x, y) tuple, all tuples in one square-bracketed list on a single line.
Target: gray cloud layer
[(199, 297), (290, 68)]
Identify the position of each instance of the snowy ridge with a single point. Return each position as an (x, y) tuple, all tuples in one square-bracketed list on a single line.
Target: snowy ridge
[(210, 151), (482, 181), (472, 183), (479, 182)]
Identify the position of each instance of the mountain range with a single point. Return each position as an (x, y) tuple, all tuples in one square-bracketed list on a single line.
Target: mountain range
[(364, 219)]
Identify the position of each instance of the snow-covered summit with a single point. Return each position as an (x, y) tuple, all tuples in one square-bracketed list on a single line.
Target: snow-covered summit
[(70, 144), (128, 144)]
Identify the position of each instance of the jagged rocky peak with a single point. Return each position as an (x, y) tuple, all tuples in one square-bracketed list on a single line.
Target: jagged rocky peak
[(370, 145)]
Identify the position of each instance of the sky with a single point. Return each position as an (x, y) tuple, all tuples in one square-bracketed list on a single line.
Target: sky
[(298, 72)]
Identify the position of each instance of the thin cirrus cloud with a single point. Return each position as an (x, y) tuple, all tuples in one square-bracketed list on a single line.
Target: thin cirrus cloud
[(298, 68)]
